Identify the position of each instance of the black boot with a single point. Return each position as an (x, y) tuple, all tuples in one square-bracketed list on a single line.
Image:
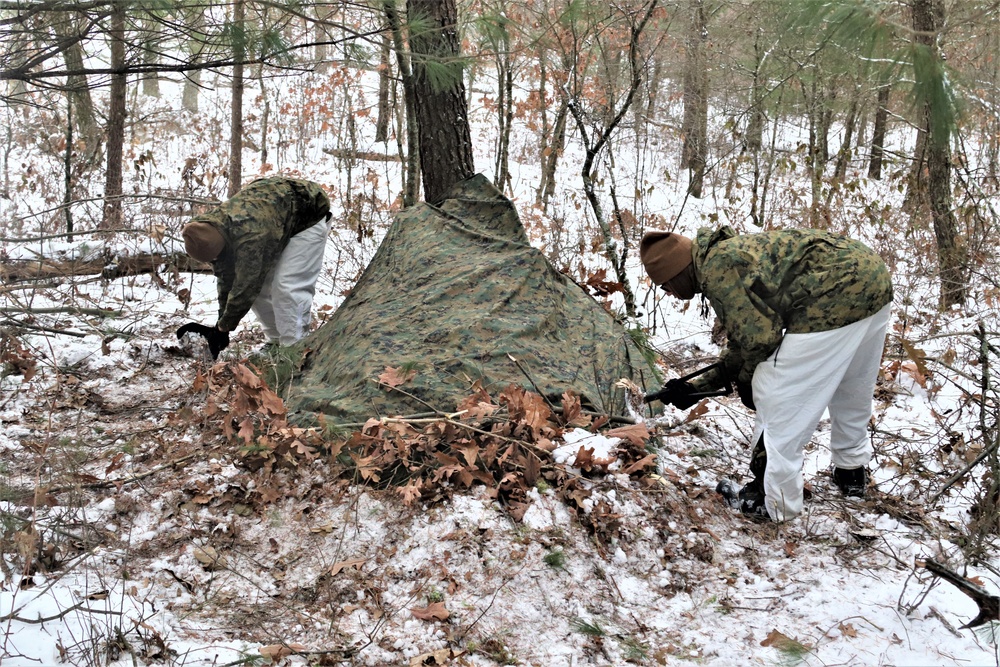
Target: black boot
[(751, 499), (852, 482), (729, 491)]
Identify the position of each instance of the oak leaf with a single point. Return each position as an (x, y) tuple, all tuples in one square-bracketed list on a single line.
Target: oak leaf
[(246, 377), (469, 453), (394, 377), (696, 411), (356, 563), (275, 652), (435, 611), (783, 642), (847, 630), (410, 492), (637, 434), (648, 461)]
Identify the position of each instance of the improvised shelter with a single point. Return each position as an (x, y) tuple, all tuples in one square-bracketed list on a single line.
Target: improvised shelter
[(452, 291)]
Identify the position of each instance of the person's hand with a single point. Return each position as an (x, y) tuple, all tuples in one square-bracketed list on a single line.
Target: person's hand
[(745, 391), (676, 392), (217, 340)]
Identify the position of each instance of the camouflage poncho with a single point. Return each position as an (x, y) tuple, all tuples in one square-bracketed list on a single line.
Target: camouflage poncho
[(764, 285), (256, 224), (457, 294)]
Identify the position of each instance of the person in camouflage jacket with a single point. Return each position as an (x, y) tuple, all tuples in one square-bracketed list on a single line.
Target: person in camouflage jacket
[(266, 248), (805, 312)]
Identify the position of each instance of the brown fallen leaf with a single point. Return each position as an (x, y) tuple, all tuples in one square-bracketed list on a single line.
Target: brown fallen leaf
[(637, 434), (275, 652), (435, 611), (847, 630), (393, 377), (323, 528), (209, 558), (783, 642), (356, 563)]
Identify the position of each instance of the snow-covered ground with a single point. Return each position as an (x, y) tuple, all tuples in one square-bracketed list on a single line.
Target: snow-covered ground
[(146, 549)]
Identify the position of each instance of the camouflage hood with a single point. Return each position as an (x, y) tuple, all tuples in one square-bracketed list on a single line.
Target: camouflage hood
[(453, 293), (794, 280)]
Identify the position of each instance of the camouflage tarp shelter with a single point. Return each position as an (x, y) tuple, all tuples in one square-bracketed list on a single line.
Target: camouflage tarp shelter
[(455, 289)]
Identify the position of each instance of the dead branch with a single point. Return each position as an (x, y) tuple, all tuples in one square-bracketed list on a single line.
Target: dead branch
[(94, 312), (35, 327), (38, 621), (989, 605)]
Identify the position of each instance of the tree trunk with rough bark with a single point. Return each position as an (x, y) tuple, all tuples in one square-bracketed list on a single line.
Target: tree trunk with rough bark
[(150, 80), (928, 19), (878, 133), (236, 115), (754, 136), (384, 83), (112, 217), (441, 110), (194, 22), (79, 89), (695, 123), (411, 175)]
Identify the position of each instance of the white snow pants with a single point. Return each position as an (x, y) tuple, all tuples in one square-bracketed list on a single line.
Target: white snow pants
[(284, 305), (807, 374)]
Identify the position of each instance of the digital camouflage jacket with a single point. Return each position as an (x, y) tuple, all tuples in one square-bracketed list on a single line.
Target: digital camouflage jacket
[(764, 285), (257, 223)]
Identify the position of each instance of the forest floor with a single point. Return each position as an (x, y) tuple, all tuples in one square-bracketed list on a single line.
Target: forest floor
[(137, 532)]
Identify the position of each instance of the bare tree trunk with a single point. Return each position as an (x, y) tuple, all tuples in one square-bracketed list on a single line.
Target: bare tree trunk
[(265, 118), (824, 119), (879, 132), (817, 149), (236, 115), (112, 217), (928, 18), (556, 147), (844, 154), (320, 36), (695, 124), (543, 106), (79, 90), (411, 175), (194, 20), (505, 106), (384, 82), (445, 146), (754, 136), (150, 80), (653, 88), (68, 168)]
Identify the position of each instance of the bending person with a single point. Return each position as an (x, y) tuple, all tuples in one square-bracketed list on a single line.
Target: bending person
[(806, 314), (266, 248)]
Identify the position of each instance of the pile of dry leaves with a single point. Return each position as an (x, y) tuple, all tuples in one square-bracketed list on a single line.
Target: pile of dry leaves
[(503, 443)]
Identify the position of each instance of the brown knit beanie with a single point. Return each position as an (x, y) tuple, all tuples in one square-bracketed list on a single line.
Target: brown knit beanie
[(202, 241), (664, 255)]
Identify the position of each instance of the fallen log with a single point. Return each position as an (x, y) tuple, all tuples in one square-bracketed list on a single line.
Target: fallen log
[(371, 156), (118, 267)]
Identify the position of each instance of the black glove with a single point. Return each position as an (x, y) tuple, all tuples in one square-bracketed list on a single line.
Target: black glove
[(217, 340), (677, 393), (745, 390)]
